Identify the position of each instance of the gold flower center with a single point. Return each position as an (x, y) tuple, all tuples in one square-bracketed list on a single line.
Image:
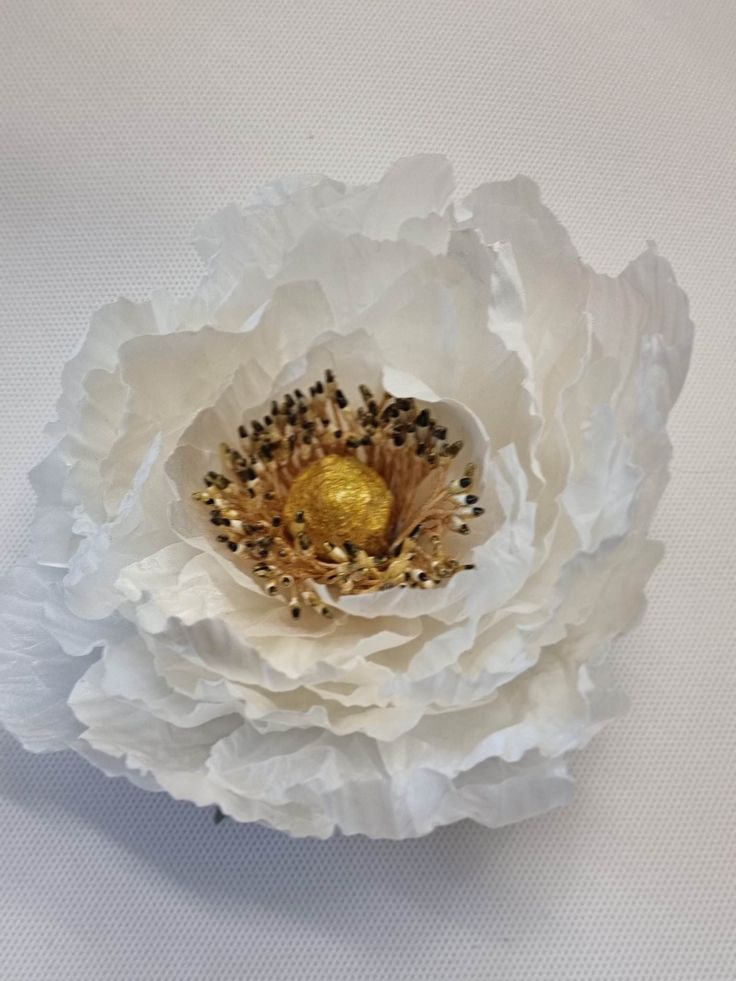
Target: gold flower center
[(342, 499)]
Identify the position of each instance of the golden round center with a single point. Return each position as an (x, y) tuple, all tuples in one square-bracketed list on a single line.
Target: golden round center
[(342, 500)]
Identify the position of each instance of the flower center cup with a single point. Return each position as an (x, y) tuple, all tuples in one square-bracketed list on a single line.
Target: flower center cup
[(354, 498)]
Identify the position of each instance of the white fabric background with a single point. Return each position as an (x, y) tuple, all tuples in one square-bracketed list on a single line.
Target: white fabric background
[(122, 124)]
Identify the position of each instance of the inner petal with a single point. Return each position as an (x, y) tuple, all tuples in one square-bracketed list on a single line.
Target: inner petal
[(353, 495)]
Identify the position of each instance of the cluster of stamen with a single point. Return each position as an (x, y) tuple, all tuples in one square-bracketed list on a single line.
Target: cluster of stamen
[(249, 497)]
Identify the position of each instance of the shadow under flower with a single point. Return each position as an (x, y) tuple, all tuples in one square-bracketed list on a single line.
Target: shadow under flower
[(337, 883)]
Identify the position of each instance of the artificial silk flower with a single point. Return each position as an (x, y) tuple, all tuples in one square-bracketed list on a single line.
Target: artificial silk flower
[(343, 540)]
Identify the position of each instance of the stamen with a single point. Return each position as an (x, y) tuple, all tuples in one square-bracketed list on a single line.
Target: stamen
[(393, 439)]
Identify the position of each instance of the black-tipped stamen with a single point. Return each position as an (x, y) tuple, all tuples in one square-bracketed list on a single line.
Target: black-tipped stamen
[(393, 435)]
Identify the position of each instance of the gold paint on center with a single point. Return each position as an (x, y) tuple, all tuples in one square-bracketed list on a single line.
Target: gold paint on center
[(342, 499)]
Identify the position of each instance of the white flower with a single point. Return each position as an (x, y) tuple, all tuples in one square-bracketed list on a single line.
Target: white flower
[(133, 636)]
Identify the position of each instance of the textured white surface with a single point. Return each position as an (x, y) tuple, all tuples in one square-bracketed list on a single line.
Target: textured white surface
[(122, 125)]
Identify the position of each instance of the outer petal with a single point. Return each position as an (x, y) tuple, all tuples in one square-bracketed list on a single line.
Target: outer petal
[(44, 650)]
